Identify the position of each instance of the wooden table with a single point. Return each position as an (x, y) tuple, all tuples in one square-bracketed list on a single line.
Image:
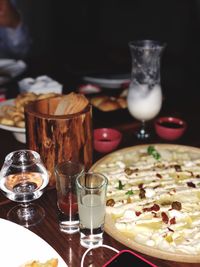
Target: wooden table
[(68, 246)]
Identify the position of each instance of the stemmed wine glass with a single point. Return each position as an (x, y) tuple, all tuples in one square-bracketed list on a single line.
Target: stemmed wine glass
[(144, 94), (23, 178)]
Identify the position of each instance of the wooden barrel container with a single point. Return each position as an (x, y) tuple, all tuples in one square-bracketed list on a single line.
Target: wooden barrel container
[(59, 138)]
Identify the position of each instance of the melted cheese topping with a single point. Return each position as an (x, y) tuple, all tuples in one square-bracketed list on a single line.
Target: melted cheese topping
[(156, 202)]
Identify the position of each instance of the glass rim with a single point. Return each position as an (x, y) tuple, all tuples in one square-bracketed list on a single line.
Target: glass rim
[(147, 43), (104, 182), (36, 155), (72, 163)]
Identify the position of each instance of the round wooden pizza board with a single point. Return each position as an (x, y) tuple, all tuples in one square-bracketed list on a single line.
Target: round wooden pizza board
[(119, 236)]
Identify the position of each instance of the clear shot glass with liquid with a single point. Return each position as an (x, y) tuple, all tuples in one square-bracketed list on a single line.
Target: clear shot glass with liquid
[(91, 194), (66, 174)]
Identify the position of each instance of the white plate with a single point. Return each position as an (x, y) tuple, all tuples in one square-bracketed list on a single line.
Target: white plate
[(18, 132), (109, 81), (10, 68), (19, 245)]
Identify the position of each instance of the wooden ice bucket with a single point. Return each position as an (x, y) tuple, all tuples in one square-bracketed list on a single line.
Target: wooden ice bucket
[(59, 138)]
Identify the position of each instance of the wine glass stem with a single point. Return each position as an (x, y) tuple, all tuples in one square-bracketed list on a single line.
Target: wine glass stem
[(143, 134), (143, 127), (26, 211)]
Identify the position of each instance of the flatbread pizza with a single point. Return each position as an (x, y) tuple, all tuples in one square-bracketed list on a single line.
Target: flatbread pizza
[(153, 199)]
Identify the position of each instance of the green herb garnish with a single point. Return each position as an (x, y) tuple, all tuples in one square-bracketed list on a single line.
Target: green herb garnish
[(129, 192), (120, 186), (152, 151)]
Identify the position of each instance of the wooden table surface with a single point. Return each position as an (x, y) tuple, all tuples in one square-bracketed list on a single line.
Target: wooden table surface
[(68, 246)]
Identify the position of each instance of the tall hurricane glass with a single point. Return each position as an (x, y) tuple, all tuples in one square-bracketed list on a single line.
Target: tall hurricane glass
[(144, 94), (23, 178)]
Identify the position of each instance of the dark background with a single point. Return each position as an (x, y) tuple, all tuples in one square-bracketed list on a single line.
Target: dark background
[(91, 36)]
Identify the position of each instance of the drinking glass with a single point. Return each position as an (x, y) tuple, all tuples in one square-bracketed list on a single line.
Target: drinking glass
[(66, 174), (144, 94), (91, 193), (23, 179)]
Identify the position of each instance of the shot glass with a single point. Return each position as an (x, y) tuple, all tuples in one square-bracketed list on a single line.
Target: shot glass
[(91, 194), (66, 174)]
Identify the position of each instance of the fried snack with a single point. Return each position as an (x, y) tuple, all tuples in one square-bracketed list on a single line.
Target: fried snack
[(13, 115), (22, 99), (44, 96), (108, 103), (71, 103), (122, 102), (48, 263), (97, 100), (20, 124), (7, 121)]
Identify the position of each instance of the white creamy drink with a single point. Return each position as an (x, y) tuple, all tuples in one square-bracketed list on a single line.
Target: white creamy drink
[(91, 211), (144, 103)]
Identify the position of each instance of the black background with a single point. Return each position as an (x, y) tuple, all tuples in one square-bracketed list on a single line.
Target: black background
[(91, 36)]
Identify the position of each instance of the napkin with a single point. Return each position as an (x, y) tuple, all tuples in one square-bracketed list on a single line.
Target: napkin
[(40, 85), (10, 68)]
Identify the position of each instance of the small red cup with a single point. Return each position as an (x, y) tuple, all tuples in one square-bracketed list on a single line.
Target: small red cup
[(106, 139), (170, 128)]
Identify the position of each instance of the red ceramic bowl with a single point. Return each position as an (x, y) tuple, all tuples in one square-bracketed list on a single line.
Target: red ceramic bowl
[(170, 128), (106, 139)]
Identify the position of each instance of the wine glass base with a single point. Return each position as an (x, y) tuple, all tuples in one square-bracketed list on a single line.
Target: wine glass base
[(142, 134), (26, 215)]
